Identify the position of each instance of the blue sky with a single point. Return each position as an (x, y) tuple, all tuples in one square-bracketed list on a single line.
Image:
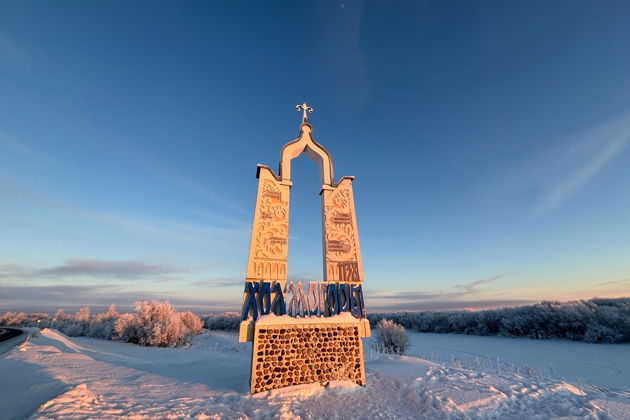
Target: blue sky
[(489, 140)]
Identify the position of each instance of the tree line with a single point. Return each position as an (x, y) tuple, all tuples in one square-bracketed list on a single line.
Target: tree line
[(154, 323), (594, 321), (159, 324)]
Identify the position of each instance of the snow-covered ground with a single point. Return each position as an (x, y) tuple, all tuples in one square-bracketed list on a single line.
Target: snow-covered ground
[(53, 376), (602, 366)]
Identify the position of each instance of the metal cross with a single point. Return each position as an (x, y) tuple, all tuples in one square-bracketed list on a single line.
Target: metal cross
[(305, 108)]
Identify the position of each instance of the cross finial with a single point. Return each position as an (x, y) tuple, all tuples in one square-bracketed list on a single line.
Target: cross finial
[(306, 109)]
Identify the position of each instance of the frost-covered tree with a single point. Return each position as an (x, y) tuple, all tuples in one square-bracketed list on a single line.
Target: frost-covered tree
[(4, 319), (157, 324), (60, 315), (128, 328), (192, 324), (102, 326), (391, 337), (82, 314), (154, 324)]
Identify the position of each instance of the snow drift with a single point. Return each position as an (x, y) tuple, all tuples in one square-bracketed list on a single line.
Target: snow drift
[(54, 376)]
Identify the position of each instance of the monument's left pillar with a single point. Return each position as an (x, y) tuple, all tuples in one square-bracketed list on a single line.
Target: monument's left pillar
[(268, 247)]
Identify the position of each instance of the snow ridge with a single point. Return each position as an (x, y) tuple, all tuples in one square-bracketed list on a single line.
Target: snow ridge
[(92, 378)]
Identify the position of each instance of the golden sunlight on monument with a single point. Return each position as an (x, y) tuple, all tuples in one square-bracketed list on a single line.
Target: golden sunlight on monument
[(319, 339)]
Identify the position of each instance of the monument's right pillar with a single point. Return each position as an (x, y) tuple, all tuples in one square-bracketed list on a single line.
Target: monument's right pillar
[(342, 255)]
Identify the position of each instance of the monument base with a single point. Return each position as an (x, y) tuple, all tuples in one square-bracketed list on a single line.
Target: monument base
[(291, 351)]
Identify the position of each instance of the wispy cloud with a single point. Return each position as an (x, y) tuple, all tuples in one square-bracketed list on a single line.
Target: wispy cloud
[(473, 287), (157, 230), (22, 148), (107, 268), (460, 291), (221, 282), (170, 230), (581, 161), (462, 296), (87, 267), (300, 276), (449, 305), (168, 175), (613, 283), (98, 297)]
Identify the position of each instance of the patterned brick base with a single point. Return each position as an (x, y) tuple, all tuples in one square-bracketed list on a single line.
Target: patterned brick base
[(304, 353)]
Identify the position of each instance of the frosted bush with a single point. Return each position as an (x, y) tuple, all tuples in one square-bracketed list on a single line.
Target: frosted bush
[(391, 337), (601, 334), (102, 326), (73, 329), (192, 323), (128, 328), (12, 319), (83, 314), (24, 320), (157, 324), (61, 316)]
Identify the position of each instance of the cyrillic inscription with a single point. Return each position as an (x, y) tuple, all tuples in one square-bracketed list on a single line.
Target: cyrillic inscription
[(342, 218), (337, 246)]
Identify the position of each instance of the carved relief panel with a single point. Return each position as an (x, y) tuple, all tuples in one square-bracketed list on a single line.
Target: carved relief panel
[(342, 255), (270, 231)]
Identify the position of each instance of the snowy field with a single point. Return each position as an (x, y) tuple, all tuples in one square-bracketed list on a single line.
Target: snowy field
[(595, 366), (444, 377)]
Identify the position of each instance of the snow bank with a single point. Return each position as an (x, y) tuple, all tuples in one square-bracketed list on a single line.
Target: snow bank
[(272, 319), (54, 376)]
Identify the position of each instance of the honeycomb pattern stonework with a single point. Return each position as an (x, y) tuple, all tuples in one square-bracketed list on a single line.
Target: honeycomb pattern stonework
[(293, 354)]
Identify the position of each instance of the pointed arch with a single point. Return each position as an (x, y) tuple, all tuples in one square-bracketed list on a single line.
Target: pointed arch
[(317, 152)]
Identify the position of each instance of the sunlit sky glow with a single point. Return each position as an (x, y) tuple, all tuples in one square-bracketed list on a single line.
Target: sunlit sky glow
[(489, 140)]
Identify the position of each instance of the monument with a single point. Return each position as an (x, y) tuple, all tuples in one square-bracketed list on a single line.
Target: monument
[(303, 336)]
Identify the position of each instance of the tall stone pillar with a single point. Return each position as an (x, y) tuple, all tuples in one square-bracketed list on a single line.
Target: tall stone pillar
[(270, 231), (342, 255)]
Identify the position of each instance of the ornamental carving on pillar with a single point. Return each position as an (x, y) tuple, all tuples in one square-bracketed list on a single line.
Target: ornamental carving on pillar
[(341, 241), (272, 228), (270, 231)]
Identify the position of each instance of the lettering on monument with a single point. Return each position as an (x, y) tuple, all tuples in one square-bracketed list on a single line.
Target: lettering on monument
[(277, 241), (341, 218), (270, 270), (348, 271), (337, 246), (321, 299), (276, 195)]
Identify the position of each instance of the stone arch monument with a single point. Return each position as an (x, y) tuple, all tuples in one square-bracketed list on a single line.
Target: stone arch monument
[(318, 339)]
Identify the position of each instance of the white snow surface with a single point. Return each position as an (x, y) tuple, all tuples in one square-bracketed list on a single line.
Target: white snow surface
[(602, 366), (53, 376), (272, 319)]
